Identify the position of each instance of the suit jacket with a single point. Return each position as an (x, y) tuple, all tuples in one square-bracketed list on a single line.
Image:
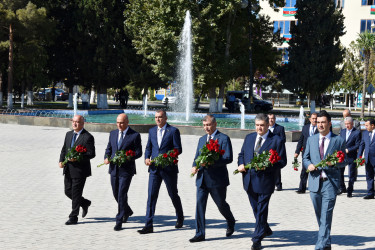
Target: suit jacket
[(352, 144), (262, 181), (367, 146), (280, 131), (80, 169), (215, 175), (312, 156), (132, 141), (305, 133), (171, 140), (356, 124)]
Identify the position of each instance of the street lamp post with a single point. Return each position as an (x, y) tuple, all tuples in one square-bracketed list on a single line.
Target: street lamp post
[(244, 4)]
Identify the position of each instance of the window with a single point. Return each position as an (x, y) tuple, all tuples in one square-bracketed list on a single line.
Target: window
[(284, 26), (339, 3), (290, 3), (367, 2), (366, 25)]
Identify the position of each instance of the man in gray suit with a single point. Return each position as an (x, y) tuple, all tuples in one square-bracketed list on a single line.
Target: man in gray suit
[(323, 183), (346, 113)]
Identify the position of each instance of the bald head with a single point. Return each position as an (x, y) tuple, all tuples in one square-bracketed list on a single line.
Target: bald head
[(122, 121), (346, 113), (77, 123)]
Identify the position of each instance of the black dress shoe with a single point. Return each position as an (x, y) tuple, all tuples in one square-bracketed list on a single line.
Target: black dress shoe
[(118, 227), (197, 239), (230, 231), (126, 217), (300, 191), (146, 230), (85, 209), (349, 195), (368, 197), (179, 223), (71, 222), (256, 246), (279, 189)]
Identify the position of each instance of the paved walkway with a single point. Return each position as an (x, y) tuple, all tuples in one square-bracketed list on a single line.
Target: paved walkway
[(34, 208)]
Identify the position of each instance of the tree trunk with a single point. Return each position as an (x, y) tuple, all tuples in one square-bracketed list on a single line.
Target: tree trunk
[(212, 97), (10, 68), (22, 94), (312, 106), (92, 96), (70, 99), (367, 61), (102, 98), (220, 99), (30, 97), (1, 89)]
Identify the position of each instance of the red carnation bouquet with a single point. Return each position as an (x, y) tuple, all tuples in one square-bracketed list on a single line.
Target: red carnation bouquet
[(121, 157), (75, 153), (359, 162), (262, 161), (166, 159), (336, 157), (295, 164), (209, 154)]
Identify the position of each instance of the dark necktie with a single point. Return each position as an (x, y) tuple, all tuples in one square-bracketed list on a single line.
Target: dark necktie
[(321, 148), (257, 147), (73, 139), (120, 141)]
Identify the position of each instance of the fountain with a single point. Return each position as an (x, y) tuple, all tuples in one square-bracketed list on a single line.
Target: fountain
[(242, 109), (301, 118), (184, 84), (75, 103), (145, 106)]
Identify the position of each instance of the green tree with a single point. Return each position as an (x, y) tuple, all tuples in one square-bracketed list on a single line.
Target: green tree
[(365, 43), (314, 52)]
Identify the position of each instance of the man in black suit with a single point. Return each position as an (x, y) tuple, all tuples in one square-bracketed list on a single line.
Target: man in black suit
[(212, 179), (279, 130), (75, 171), (352, 136), (161, 139), (124, 138), (307, 131)]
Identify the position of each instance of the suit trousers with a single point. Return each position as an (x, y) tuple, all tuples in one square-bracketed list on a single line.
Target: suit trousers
[(74, 189), (154, 183), (303, 179), (324, 201), (218, 195), (278, 182), (370, 178), (342, 178), (352, 176), (120, 188), (259, 204)]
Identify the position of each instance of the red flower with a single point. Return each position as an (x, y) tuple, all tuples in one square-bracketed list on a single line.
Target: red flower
[(171, 154), (175, 150), (222, 152), (165, 155), (175, 161)]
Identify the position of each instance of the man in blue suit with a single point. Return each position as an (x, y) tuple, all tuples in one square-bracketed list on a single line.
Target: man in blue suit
[(307, 131), (279, 130), (124, 138), (323, 183), (161, 139), (212, 179), (352, 136), (259, 185), (368, 145)]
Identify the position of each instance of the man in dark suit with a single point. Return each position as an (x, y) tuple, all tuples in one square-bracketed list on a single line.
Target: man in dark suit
[(259, 185), (161, 139), (323, 183), (307, 131), (212, 179), (276, 129), (368, 146), (75, 171), (352, 136), (124, 138)]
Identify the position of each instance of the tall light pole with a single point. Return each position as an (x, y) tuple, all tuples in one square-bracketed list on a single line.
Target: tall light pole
[(244, 4)]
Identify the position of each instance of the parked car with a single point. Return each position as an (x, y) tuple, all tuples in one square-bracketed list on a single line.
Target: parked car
[(243, 96), (171, 99), (60, 94)]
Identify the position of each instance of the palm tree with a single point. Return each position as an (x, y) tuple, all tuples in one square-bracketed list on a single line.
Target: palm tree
[(365, 44)]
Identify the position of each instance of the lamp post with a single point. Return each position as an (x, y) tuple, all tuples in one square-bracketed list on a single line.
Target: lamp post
[(244, 4)]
